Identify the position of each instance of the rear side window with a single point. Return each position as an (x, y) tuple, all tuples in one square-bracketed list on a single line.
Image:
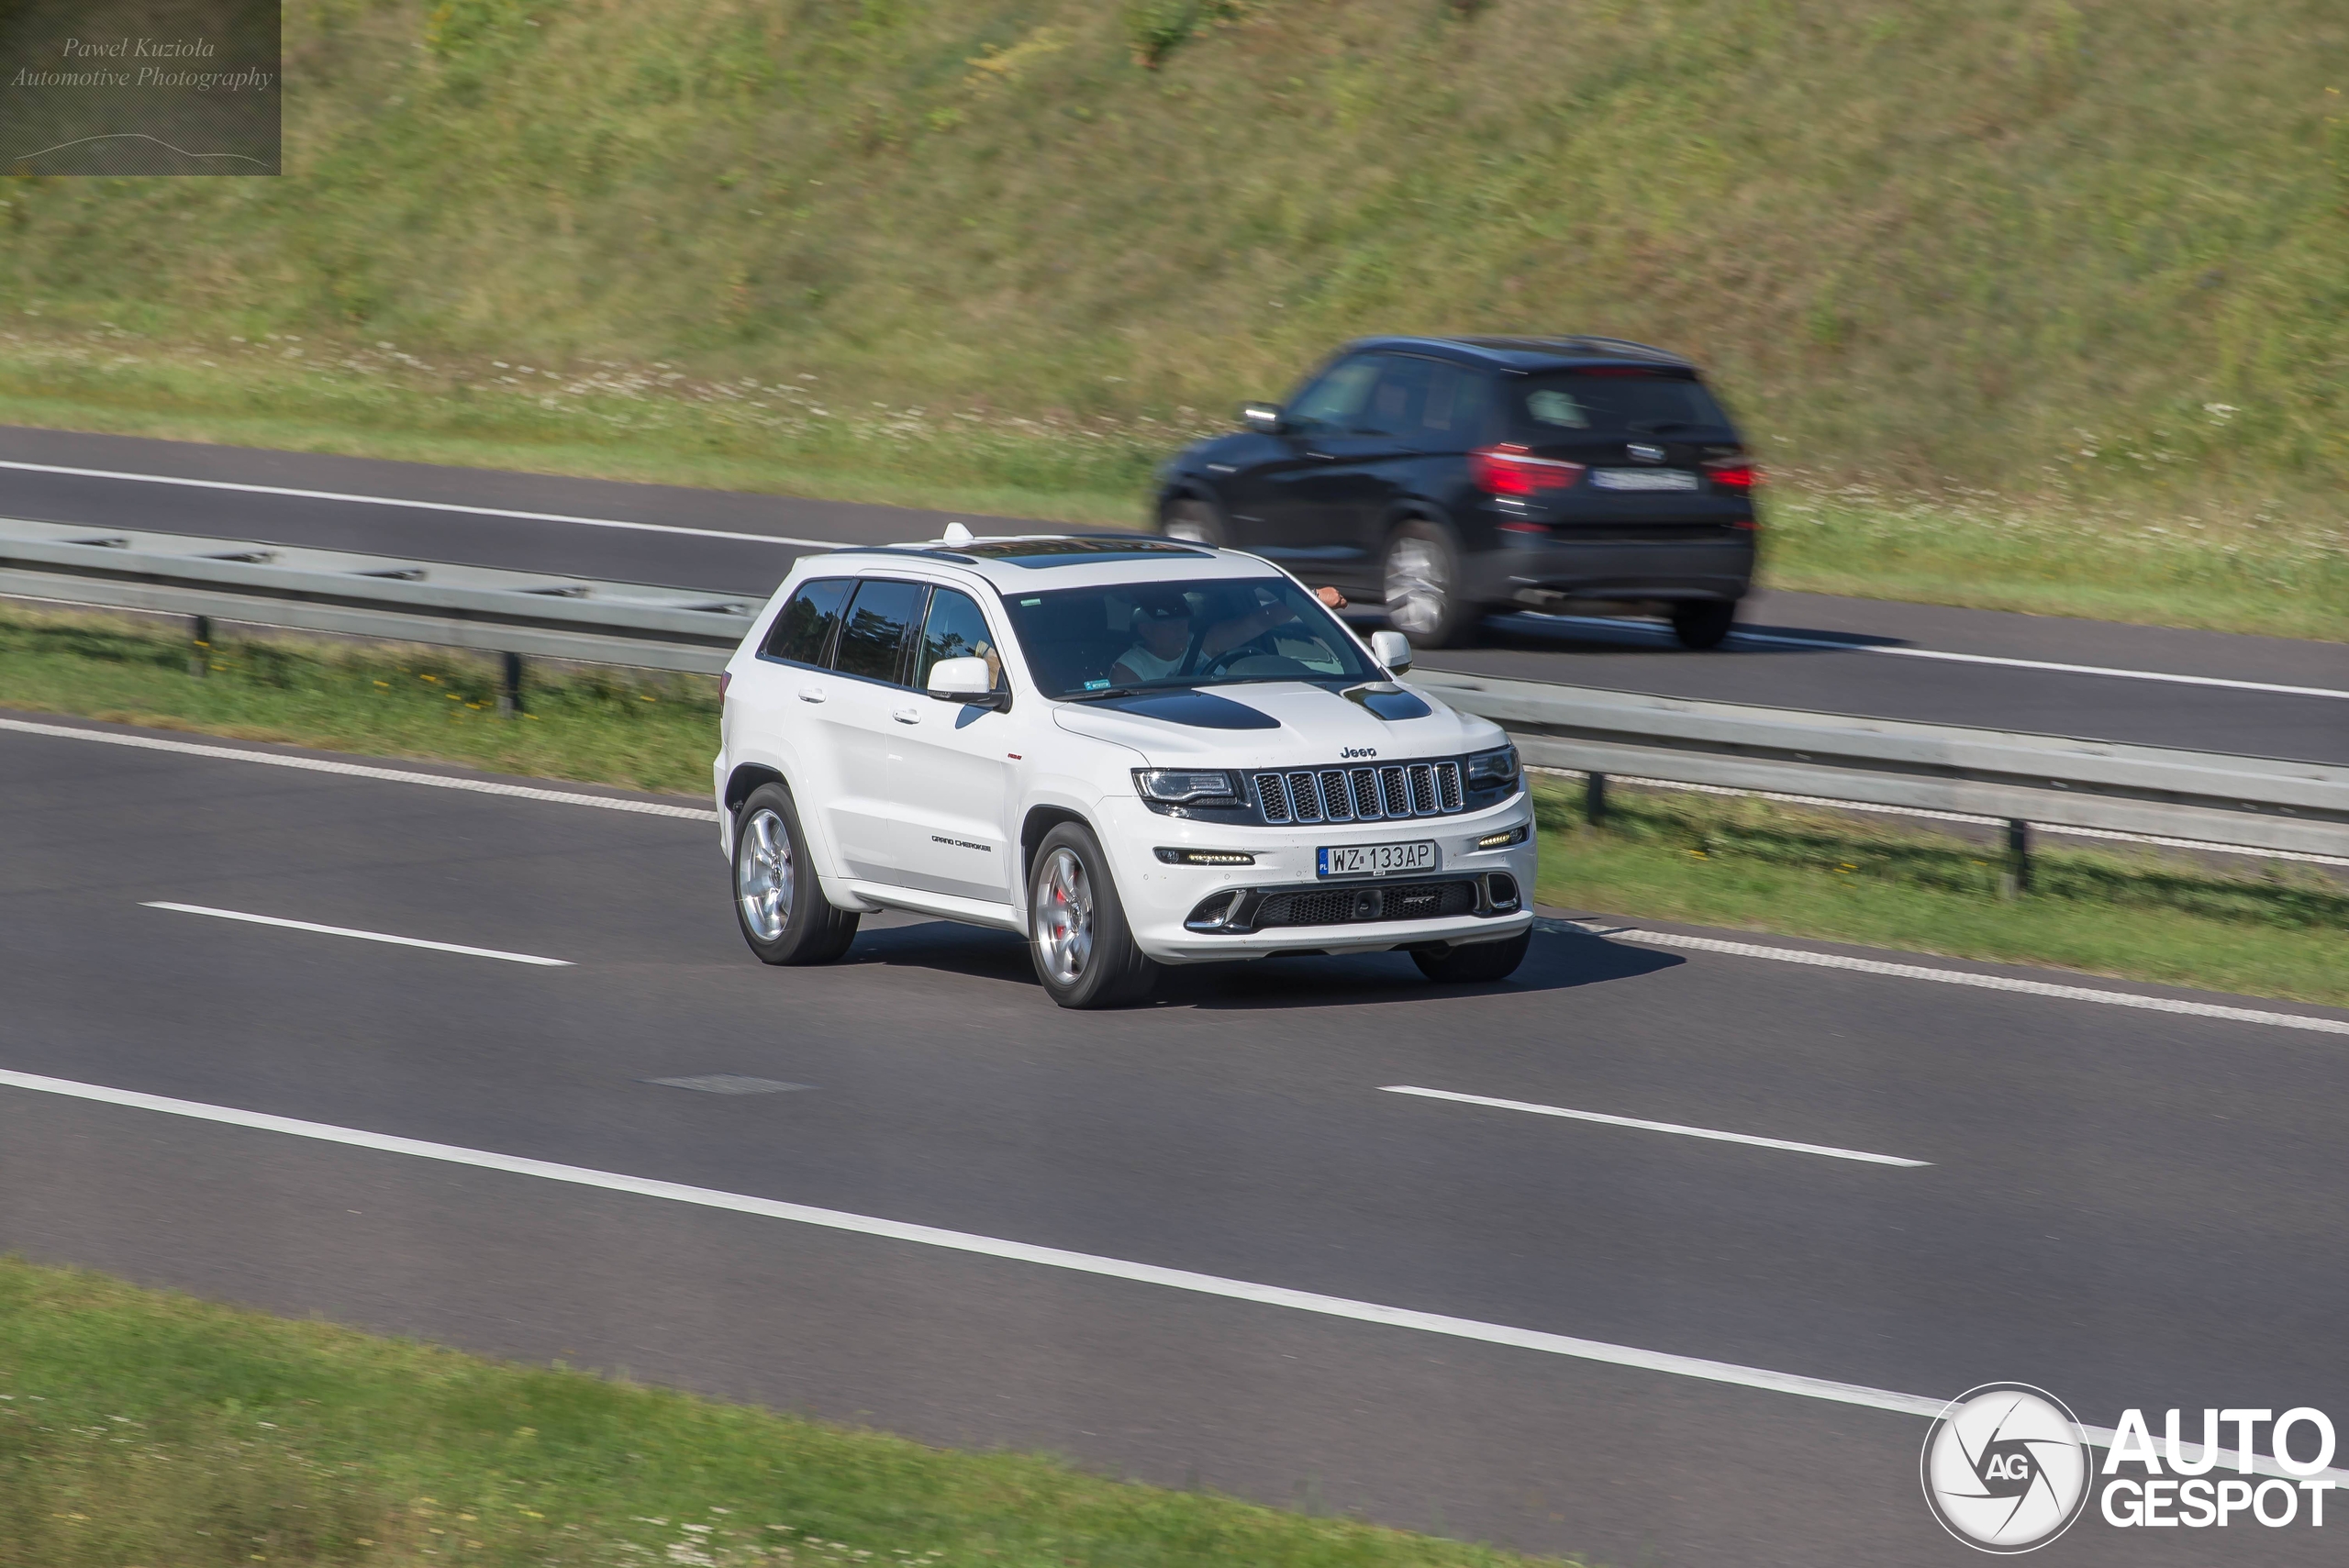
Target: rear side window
[(803, 633), (873, 639), (955, 629), (1428, 403), (1563, 404)]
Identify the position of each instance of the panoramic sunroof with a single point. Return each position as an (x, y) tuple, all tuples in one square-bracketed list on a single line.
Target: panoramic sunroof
[(1074, 552)]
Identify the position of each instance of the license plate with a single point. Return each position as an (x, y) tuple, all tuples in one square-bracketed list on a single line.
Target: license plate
[(1377, 860), (1643, 479)]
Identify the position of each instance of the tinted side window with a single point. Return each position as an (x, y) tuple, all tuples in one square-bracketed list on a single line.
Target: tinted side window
[(803, 633), (1453, 414), (955, 629), (873, 639), (1338, 400)]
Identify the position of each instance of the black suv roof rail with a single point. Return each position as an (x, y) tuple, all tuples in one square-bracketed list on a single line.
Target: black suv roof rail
[(1576, 344)]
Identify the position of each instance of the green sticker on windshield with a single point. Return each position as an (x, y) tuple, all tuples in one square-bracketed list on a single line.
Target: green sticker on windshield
[(1096, 685), (1032, 602)]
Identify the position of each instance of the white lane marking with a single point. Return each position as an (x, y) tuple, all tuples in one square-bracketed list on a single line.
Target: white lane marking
[(1828, 1149), (2060, 669), (361, 770), (1954, 977), (363, 935), (1833, 645), (418, 506), (1045, 1257)]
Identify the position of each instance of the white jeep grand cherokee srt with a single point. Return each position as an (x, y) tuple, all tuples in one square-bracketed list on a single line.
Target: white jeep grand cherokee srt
[(1132, 751)]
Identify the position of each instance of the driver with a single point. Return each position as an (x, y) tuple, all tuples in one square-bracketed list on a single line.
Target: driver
[(1161, 629)]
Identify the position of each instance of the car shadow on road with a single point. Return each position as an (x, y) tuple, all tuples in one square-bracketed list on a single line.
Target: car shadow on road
[(1556, 961)]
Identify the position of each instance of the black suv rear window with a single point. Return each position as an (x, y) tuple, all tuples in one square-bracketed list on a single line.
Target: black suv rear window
[(1561, 404)]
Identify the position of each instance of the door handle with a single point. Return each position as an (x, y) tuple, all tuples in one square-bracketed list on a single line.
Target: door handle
[(811, 694), (908, 716)]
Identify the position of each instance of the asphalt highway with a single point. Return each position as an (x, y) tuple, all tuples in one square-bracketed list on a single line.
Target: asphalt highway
[(2124, 1204), (2260, 696)]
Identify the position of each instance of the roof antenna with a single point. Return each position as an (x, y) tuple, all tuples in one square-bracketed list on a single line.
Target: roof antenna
[(955, 534)]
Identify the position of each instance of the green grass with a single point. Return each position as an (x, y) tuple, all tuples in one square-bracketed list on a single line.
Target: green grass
[(2275, 931), (2055, 281), (2280, 931), (143, 1428), (648, 732)]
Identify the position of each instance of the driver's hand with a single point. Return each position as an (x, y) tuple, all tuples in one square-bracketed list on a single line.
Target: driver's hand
[(1332, 597)]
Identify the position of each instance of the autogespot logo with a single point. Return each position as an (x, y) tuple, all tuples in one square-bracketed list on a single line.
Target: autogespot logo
[(2006, 1468)]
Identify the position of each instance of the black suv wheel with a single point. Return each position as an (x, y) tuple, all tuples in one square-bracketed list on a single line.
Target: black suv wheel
[(1703, 622), (1421, 579), (1196, 521)]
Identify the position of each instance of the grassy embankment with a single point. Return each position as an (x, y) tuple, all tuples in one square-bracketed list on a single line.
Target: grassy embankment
[(138, 1426), (2278, 932), (2036, 304)]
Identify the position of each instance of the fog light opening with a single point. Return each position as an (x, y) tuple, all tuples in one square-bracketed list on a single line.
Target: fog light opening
[(1500, 891), (1215, 914)]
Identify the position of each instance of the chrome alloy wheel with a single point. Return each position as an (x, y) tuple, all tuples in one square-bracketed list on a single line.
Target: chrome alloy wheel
[(1416, 591), (762, 876), (1063, 918)]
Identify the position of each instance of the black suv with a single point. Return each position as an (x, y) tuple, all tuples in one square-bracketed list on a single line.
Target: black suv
[(1450, 476)]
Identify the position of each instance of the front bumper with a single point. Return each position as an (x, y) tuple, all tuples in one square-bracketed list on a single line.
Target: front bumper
[(1160, 900)]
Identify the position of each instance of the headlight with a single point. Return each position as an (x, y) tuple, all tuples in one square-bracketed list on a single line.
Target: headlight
[(1183, 786), (1493, 770)]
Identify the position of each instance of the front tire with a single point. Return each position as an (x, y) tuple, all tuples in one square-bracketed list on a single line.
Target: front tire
[(778, 901), (1084, 949), (1703, 622), (1479, 963), (1421, 579), (1196, 521)]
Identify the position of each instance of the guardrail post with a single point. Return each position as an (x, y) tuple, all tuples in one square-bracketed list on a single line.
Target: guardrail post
[(509, 684), (1594, 798), (199, 654), (2016, 879)]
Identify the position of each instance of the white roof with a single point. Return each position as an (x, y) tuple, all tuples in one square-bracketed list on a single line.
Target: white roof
[(1028, 561)]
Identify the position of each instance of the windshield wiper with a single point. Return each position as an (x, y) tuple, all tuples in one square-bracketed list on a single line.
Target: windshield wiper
[(1110, 692)]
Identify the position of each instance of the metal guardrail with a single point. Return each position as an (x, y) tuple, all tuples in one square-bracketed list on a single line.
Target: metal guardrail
[(513, 613), (2057, 781), (2248, 802)]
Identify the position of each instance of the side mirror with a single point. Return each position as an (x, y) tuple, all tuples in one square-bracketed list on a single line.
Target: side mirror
[(1264, 417), (965, 681), (1391, 649)]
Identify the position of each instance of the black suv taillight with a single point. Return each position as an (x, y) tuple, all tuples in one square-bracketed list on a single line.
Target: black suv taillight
[(1510, 470)]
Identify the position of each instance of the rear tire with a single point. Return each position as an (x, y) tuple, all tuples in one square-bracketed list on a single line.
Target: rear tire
[(1420, 578), (1479, 963), (778, 900), (1196, 521), (1703, 622), (1084, 951)]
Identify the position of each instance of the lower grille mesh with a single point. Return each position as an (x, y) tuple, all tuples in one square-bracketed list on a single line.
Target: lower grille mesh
[(1359, 904)]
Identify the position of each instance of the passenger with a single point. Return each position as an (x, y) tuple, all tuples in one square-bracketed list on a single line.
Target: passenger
[(1161, 629)]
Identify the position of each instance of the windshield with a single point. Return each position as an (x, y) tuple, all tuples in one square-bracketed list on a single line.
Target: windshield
[(1143, 635)]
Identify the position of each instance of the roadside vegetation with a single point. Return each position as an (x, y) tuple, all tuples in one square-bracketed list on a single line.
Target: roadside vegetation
[(142, 1427), (2274, 929), (2035, 304)]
